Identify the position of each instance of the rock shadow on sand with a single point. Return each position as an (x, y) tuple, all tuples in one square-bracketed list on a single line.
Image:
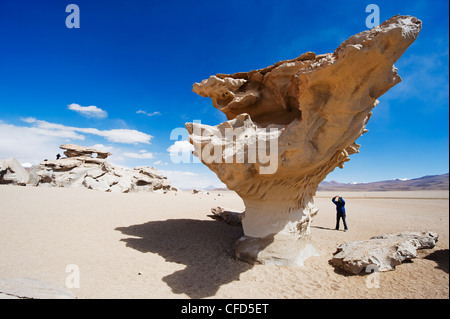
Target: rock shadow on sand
[(441, 258), (205, 247)]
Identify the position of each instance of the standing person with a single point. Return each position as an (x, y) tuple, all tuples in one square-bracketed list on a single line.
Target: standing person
[(340, 210)]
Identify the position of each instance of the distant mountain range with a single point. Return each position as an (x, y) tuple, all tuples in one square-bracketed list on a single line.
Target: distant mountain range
[(431, 182)]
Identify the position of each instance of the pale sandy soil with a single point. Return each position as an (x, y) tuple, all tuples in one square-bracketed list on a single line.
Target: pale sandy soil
[(164, 246)]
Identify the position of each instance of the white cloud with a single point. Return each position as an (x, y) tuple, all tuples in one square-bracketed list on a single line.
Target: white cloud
[(91, 111), (28, 120), (148, 114), (103, 148), (32, 144), (183, 147), (181, 152), (191, 180), (28, 145), (428, 83), (125, 136), (140, 155)]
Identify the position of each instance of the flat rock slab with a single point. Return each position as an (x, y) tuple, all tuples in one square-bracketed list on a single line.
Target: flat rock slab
[(230, 217), (27, 288), (383, 252), (77, 150)]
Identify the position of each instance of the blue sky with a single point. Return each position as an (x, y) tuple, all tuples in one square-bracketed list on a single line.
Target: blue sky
[(134, 64)]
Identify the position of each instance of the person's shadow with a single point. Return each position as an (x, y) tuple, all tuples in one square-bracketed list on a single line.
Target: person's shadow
[(321, 227), (205, 247)]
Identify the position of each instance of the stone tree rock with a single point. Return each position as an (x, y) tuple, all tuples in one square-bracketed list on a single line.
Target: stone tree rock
[(80, 169), (12, 172), (382, 253), (291, 124)]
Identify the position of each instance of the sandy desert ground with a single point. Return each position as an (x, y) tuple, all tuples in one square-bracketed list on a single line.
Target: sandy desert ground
[(147, 245)]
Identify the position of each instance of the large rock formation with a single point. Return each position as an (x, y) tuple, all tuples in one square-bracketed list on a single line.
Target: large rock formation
[(12, 172), (382, 253), (307, 113), (81, 169)]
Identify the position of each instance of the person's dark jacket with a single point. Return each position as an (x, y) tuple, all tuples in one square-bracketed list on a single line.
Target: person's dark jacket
[(340, 205)]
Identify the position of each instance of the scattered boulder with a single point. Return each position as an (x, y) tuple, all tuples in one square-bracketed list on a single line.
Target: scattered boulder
[(199, 191), (27, 288), (80, 169), (232, 218), (12, 172), (382, 253)]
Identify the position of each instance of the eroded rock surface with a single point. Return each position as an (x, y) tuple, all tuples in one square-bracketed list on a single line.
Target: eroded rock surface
[(230, 217), (305, 115), (79, 169), (72, 150), (382, 253), (28, 288), (12, 172)]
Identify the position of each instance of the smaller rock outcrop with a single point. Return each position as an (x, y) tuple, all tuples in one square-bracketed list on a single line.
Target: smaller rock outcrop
[(232, 218), (12, 172), (199, 191), (81, 169), (28, 288), (382, 253)]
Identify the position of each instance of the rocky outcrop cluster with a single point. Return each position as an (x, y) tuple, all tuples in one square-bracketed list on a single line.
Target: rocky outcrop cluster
[(382, 253), (88, 167), (291, 124)]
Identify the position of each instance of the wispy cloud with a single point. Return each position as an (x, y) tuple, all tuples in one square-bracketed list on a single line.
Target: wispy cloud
[(190, 180), (425, 78), (91, 111), (140, 155), (148, 114), (29, 144), (125, 136), (183, 147), (103, 148)]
